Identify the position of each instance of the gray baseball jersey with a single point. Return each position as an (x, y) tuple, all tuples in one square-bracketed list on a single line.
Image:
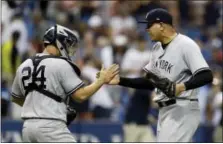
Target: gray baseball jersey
[(58, 77), (178, 62)]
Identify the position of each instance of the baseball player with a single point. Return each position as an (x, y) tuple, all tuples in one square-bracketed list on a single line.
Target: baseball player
[(176, 69), (44, 84)]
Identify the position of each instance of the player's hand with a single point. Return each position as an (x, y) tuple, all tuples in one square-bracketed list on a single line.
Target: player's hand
[(106, 75), (98, 74), (115, 80)]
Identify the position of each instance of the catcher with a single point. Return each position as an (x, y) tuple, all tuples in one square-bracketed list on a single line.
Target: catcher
[(46, 83)]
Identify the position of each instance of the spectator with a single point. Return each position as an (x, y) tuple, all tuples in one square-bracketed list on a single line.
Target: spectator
[(43, 5), (10, 56), (139, 55), (96, 31), (140, 9), (114, 53), (14, 54), (137, 127), (197, 11), (217, 105), (88, 8), (17, 24), (101, 103), (217, 57), (123, 22), (184, 9), (208, 119), (8, 8), (211, 14), (97, 26), (95, 22), (214, 41), (214, 107)]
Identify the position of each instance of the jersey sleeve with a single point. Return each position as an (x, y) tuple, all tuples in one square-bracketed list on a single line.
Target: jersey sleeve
[(16, 90), (69, 79), (146, 67), (194, 58)]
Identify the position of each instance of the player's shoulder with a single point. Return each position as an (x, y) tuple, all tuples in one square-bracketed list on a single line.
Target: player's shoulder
[(57, 63), (50, 59), (156, 45), (186, 44), (186, 40), (26, 63)]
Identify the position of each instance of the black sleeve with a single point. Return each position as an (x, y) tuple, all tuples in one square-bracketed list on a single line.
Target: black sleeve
[(200, 79), (138, 83)]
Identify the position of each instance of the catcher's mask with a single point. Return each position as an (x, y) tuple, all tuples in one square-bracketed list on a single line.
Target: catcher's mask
[(63, 38)]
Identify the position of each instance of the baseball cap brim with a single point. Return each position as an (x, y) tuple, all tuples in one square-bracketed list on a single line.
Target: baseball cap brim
[(142, 21), (148, 23)]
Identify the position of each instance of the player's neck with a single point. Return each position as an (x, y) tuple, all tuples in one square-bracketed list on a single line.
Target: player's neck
[(51, 50), (46, 52), (168, 37)]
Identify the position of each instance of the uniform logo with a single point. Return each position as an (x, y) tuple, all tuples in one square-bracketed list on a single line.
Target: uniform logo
[(164, 65)]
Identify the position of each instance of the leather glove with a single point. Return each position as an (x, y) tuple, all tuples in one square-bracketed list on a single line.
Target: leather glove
[(164, 84)]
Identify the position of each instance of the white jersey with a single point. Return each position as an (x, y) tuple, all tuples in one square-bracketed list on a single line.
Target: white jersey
[(178, 62), (58, 77), (136, 57)]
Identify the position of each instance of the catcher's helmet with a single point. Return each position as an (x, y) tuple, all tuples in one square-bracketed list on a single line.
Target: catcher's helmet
[(63, 38), (156, 16)]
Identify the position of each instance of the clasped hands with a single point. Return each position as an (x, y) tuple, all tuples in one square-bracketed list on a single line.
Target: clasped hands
[(109, 75)]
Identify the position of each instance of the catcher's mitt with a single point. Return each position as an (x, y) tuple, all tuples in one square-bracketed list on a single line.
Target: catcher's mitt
[(71, 115), (71, 110), (164, 84)]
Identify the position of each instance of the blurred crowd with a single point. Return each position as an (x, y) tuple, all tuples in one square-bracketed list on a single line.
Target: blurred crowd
[(110, 34)]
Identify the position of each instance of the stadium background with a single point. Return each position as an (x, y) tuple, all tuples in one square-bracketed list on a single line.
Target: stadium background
[(109, 31)]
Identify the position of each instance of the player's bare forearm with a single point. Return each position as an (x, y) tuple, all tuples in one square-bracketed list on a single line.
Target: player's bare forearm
[(84, 93), (18, 101), (106, 75)]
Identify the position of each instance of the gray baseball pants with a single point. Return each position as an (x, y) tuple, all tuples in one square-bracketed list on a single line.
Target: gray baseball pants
[(178, 122), (42, 130)]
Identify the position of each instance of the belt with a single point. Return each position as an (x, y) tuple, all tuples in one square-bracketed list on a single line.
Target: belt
[(26, 118), (166, 103), (172, 101)]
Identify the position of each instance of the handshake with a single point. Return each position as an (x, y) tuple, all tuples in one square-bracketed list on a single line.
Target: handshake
[(169, 88), (109, 75)]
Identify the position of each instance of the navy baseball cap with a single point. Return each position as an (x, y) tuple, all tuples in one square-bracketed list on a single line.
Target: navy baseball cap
[(156, 16)]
